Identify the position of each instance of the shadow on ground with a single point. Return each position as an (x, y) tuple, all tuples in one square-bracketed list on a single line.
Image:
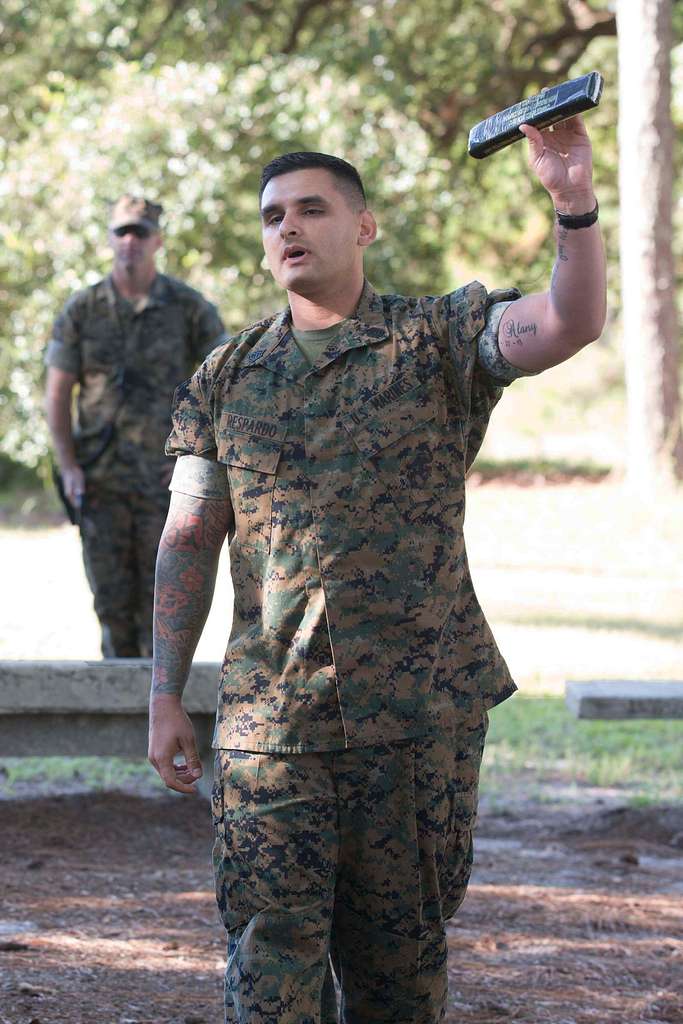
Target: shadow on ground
[(109, 916)]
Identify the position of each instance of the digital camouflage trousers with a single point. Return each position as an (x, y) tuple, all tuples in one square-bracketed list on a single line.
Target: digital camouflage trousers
[(352, 859), (120, 534)]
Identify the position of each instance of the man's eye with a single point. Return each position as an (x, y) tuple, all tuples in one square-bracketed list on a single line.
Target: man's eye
[(313, 209)]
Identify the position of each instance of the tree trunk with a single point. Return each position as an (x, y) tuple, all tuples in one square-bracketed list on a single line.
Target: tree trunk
[(650, 327)]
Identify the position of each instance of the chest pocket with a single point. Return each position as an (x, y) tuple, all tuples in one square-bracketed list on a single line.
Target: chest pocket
[(407, 443), (252, 466), (102, 349)]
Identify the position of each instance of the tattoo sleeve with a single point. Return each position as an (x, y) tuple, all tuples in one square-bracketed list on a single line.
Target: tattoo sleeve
[(187, 562)]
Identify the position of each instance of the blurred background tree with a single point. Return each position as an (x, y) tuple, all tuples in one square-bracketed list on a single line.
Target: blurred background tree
[(651, 329), (186, 101)]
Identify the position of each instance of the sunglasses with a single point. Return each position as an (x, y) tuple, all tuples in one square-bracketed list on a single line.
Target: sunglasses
[(139, 230)]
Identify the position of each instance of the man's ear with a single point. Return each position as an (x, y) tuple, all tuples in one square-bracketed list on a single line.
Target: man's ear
[(159, 241), (367, 231)]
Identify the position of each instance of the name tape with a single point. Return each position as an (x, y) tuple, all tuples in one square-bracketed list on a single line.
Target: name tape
[(250, 425)]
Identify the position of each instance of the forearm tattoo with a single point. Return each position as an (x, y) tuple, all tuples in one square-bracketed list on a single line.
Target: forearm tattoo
[(185, 577), (562, 235), (562, 257)]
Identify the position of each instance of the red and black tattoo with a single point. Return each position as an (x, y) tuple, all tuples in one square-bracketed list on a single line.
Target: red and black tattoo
[(187, 562)]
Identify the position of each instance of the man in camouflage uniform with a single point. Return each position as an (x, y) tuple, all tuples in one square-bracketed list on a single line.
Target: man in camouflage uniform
[(330, 444), (126, 341)]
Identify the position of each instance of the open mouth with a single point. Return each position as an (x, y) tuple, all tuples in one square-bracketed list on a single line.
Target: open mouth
[(294, 252)]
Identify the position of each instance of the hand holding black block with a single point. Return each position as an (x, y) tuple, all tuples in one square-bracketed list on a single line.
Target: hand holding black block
[(542, 110)]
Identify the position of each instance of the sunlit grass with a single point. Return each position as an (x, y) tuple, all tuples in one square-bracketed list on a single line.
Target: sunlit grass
[(578, 580), (535, 742), (18, 774)]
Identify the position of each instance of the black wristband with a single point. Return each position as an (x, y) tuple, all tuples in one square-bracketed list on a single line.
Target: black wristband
[(584, 220)]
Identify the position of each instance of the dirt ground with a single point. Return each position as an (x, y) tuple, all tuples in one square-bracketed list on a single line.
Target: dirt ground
[(108, 915)]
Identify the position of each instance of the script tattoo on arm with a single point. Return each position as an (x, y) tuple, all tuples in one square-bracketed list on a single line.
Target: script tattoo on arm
[(562, 257), (187, 562), (543, 329), (515, 331), (562, 235)]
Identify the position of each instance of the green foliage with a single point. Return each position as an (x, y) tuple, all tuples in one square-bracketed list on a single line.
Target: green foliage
[(195, 137), (186, 102), (15, 477)]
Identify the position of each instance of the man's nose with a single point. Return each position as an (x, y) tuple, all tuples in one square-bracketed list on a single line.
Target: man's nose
[(288, 227)]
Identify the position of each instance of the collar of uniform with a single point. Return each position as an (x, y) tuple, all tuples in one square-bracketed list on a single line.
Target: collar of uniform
[(159, 292), (110, 292), (277, 349), (366, 326)]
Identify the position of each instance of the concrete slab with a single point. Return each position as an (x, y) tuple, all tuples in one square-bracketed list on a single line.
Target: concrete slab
[(87, 735), (95, 709), (114, 686), (625, 698)]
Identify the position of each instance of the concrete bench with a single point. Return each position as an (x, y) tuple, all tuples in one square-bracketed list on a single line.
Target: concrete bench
[(94, 708), (624, 699)]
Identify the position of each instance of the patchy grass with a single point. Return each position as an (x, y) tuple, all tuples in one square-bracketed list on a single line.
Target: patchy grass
[(536, 471), (535, 746), (579, 581), (18, 775), (535, 750)]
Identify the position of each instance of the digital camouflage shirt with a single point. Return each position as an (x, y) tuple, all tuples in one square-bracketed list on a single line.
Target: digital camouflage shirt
[(128, 362), (355, 619)]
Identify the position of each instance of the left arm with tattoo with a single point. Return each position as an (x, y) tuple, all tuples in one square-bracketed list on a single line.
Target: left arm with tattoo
[(187, 563), (541, 330)]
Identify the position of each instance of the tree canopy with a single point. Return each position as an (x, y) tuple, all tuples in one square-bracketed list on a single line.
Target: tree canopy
[(185, 102)]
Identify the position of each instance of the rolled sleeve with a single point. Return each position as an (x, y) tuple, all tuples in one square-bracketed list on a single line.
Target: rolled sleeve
[(466, 321), (489, 356), (200, 478), (193, 428)]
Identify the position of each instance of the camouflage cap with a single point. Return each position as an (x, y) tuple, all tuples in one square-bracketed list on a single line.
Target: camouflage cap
[(135, 210)]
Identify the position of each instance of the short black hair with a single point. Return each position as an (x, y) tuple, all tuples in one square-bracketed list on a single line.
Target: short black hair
[(345, 173)]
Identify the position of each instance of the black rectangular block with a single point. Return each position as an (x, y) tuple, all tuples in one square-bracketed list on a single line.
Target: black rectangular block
[(545, 108)]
